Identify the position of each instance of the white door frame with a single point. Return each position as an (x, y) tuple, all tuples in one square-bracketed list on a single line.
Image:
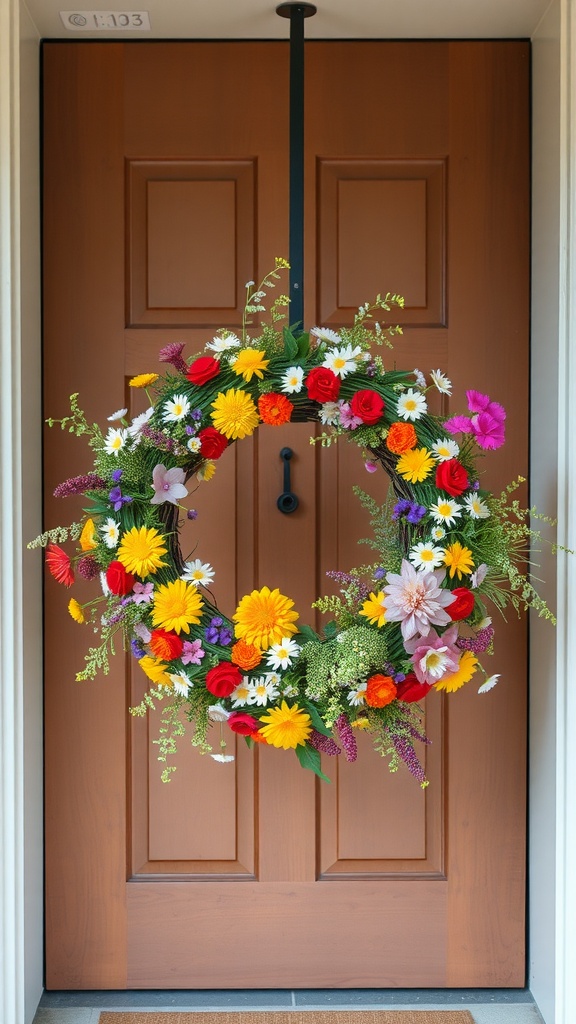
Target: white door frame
[(553, 701)]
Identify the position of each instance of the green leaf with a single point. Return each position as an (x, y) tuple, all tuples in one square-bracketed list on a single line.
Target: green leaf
[(290, 344), (316, 719), (309, 757), (307, 632), (303, 343), (330, 630)]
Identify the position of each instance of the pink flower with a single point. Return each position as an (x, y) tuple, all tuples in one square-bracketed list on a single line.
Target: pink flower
[(192, 653), (168, 485), (434, 656), (416, 600), (347, 417), (487, 424), (370, 466), (142, 593)]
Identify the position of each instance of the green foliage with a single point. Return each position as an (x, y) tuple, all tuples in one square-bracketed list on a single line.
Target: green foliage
[(58, 535), (77, 423), (309, 757)]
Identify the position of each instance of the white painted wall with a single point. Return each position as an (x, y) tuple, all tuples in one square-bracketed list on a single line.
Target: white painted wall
[(543, 493)]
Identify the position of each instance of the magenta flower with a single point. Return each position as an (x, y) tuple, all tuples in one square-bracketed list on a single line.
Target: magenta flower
[(487, 424), (192, 652), (172, 353), (168, 485), (433, 656)]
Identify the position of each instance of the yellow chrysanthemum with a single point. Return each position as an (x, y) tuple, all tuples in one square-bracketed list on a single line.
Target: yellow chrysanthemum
[(287, 727), (206, 471), (143, 380), (249, 362), (415, 465), (265, 617), (88, 537), (374, 608), (141, 550), (459, 559), (235, 414), (76, 611), (177, 606), (463, 674), (155, 669)]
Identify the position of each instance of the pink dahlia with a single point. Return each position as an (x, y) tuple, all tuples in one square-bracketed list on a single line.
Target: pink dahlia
[(417, 600)]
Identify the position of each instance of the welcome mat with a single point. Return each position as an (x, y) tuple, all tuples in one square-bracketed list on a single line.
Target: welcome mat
[(293, 1017)]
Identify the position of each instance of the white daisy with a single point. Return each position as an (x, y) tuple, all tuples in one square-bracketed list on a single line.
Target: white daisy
[(342, 361), (438, 533), (292, 379), (282, 655), (426, 557), (194, 445), (118, 415), (135, 428), (420, 378), (216, 713), (222, 758), (240, 695), (263, 689), (441, 382), (223, 344), (325, 334), (446, 511), (181, 682), (111, 533), (200, 573), (490, 682), (412, 405), (445, 449), (115, 441), (358, 696), (475, 507), (329, 413), (176, 409)]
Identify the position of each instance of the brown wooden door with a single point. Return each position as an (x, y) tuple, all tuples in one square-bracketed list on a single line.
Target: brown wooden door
[(165, 191)]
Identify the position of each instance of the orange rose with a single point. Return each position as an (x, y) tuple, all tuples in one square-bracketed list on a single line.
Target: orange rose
[(245, 655), (401, 438)]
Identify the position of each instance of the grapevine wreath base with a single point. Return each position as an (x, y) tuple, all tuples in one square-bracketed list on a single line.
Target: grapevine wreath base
[(414, 620)]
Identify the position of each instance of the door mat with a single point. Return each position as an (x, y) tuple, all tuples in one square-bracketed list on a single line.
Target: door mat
[(293, 1017)]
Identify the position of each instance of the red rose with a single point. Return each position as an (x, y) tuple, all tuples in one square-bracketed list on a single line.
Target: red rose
[(212, 443), (245, 724), (203, 369), (322, 385), (119, 579), (452, 477), (368, 405), (166, 645), (223, 679), (462, 605), (411, 690)]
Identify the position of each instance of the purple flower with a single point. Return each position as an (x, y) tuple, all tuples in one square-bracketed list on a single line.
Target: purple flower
[(217, 633), (88, 567), (225, 637), (172, 353), (192, 513), (192, 652), (168, 485), (142, 593), (118, 499), (117, 475), (79, 485), (406, 751), (137, 651), (196, 414), (347, 737), (379, 574), (325, 744), (415, 513), (401, 508), (370, 466), (477, 644)]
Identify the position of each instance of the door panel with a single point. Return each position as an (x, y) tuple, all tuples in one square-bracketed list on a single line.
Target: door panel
[(165, 191)]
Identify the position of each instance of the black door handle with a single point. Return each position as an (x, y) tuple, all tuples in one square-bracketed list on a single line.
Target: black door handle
[(287, 502)]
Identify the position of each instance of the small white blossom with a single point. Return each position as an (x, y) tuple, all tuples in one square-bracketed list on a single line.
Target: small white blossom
[(110, 532), (115, 441), (412, 405), (441, 382), (292, 380)]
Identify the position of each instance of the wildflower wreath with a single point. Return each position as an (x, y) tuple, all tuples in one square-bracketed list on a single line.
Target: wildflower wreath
[(414, 620)]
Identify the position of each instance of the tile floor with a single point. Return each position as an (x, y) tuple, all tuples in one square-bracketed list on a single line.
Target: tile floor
[(487, 1006)]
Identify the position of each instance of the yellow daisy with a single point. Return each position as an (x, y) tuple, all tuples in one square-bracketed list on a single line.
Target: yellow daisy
[(265, 617), (287, 727), (249, 362), (206, 471), (459, 559), (143, 380), (76, 611), (141, 549), (415, 465), (155, 669), (374, 609), (464, 672), (235, 414), (177, 606), (88, 539)]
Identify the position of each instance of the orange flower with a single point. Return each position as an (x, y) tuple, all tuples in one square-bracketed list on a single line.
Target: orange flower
[(245, 655), (401, 438), (59, 565), (275, 409), (165, 645), (258, 737), (380, 691)]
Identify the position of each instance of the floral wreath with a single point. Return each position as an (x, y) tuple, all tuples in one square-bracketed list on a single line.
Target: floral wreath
[(414, 620)]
